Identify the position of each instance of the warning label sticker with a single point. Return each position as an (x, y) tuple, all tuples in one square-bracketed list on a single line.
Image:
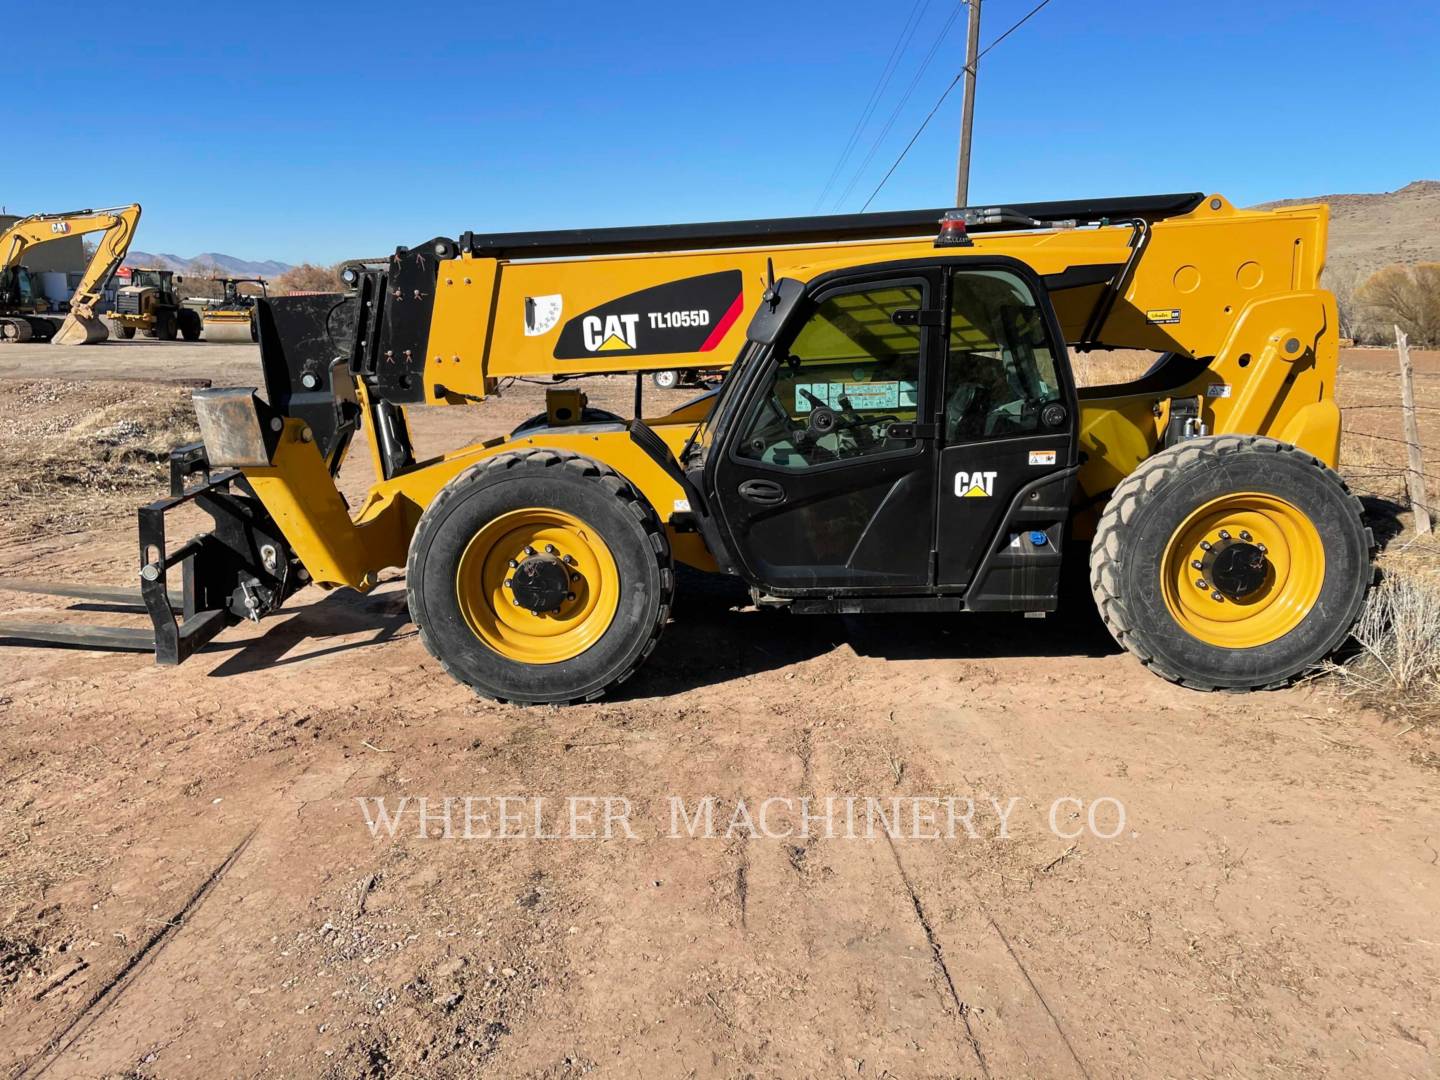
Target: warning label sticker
[(1160, 316), (1042, 457)]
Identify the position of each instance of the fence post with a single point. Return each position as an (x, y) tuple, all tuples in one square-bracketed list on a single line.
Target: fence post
[(1415, 476)]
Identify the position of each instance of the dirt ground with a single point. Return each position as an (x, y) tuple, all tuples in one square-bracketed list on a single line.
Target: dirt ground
[(188, 886)]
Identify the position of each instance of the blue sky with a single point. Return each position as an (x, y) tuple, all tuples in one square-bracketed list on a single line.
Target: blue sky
[(317, 131)]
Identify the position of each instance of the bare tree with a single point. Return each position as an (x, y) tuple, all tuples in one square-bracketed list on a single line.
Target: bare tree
[(307, 277), (197, 281), (1344, 285), (1406, 296)]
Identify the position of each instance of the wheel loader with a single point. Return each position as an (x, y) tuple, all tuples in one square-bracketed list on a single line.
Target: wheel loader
[(151, 305), (899, 431), (22, 307)]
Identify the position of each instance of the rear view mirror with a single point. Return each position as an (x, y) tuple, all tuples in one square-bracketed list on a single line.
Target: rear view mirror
[(774, 310)]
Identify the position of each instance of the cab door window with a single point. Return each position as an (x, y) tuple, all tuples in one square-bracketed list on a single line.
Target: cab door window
[(846, 376), (1001, 370)]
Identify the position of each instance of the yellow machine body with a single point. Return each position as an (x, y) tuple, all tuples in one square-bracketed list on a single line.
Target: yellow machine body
[(1236, 289)]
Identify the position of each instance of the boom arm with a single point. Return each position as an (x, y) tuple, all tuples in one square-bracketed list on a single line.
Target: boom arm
[(118, 224)]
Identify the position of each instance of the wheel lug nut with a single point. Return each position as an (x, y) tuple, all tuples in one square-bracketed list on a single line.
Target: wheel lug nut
[(574, 576), (1224, 535), (529, 550), (550, 549), (1196, 563), (1216, 596), (1204, 545), (569, 560), (1245, 536), (1261, 548), (509, 583), (513, 564), (569, 596), (517, 603), (1199, 584)]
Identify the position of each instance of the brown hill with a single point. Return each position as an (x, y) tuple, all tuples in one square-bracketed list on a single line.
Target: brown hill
[(1371, 231)]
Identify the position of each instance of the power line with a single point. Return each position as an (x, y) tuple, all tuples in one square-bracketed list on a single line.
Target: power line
[(902, 42), (904, 100), (953, 83)]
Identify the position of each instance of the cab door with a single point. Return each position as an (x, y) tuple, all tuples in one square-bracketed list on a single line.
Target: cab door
[(1008, 440), (826, 478)]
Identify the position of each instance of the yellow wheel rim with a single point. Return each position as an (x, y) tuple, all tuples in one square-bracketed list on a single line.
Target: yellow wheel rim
[(485, 576), (1293, 570)]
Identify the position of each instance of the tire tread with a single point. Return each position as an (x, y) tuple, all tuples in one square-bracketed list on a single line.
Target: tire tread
[(582, 467), (1125, 502)]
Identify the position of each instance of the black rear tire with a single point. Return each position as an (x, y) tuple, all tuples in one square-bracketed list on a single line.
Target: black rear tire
[(1128, 559), (666, 380), (126, 332), (571, 484)]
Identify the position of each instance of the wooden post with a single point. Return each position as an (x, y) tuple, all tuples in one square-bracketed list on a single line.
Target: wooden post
[(967, 119), (1415, 476)]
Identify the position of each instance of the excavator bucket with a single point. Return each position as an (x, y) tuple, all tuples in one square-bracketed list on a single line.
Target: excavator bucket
[(80, 330)]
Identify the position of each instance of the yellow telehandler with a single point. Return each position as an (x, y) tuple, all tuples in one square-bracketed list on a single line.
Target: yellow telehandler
[(20, 307), (900, 431)]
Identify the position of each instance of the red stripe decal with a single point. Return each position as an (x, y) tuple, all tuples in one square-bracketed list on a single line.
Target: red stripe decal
[(725, 323)]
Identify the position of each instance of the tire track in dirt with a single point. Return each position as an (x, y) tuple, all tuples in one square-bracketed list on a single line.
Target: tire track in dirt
[(147, 1015), (111, 990), (962, 1011)]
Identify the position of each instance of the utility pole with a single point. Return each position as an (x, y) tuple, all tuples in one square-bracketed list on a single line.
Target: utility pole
[(967, 121)]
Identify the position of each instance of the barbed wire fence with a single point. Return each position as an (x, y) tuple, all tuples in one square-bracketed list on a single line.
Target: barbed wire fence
[(1413, 474)]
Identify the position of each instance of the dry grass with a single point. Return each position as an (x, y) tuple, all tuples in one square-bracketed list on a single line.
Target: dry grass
[(1397, 668), (1111, 367), (76, 452)]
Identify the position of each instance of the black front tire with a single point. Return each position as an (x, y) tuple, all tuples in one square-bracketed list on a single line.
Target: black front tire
[(574, 485), (1128, 555), (189, 323), (666, 380)]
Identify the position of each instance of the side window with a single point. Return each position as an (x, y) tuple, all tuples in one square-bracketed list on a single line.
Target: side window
[(1001, 370), (842, 380)]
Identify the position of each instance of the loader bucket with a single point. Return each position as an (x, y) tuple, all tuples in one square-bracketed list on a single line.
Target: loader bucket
[(80, 330)]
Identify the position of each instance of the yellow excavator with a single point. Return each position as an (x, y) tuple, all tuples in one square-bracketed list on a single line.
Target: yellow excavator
[(900, 431), (21, 306)]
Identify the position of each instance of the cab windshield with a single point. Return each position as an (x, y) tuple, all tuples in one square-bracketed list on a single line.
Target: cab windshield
[(725, 398)]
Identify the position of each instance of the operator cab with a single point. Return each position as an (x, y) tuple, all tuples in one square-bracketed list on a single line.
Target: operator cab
[(17, 287), (234, 296), (896, 437), (150, 279)]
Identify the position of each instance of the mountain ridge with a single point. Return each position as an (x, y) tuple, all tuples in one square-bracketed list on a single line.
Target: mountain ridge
[(228, 265), (1372, 230)]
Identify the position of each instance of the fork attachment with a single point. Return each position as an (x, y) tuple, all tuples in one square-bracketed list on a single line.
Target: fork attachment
[(240, 569)]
